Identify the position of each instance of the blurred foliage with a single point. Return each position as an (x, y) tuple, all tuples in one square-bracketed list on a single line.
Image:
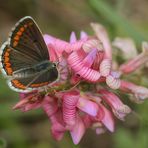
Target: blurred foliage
[(59, 18)]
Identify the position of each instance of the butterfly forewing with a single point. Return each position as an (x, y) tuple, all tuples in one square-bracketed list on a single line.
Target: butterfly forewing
[(12, 60), (27, 38)]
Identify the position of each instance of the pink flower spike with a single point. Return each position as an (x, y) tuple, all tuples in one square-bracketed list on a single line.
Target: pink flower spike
[(87, 106), (108, 120), (83, 35), (77, 131), (69, 107), (136, 62), (119, 109), (73, 38), (140, 92), (102, 35)]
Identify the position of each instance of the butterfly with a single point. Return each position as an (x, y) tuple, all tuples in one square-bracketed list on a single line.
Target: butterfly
[(25, 60)]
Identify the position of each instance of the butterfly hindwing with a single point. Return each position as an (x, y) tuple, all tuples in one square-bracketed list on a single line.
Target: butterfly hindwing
[(34, 82)]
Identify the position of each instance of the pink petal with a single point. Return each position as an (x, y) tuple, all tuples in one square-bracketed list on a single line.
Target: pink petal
[(87, 120), (120, 110), (61, 45), (83, 35), (49, 105), (87, 106), (48, 39), (78, 131), (105, 67), (77, 65), (108, 120), (140, 92), (28, 107), (54, 56), (101, 34), (73, 38), (89, 59), (57, 131), (92, 44), (69, 108)]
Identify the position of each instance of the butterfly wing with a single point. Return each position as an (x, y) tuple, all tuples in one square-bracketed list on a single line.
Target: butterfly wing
[(25, 48), (12, 60), (34, 82), (26, 37)]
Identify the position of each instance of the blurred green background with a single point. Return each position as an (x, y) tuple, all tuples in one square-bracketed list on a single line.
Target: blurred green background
[(125, 18)]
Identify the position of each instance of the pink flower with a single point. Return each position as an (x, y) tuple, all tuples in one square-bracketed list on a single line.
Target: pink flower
[(137, 61), (82, 98), (119, 109), (140, 93)]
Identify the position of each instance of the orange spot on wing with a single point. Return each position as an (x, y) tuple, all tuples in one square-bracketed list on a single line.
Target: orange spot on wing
[(9, 70), (8, 49), (6, 54), (22, 29), (6, 59), (17, 84), (19, 33), (7, 64), (15, 43), (39, 84), (17, 37)]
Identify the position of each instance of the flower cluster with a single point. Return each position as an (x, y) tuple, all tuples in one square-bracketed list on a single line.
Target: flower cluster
[(84, 95)]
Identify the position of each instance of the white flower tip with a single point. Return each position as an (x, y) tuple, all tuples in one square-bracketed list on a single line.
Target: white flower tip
[(124, 109), (112, 82), (92, 44), (96, 27), (136, 99), (105, 67), (126, 45)]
